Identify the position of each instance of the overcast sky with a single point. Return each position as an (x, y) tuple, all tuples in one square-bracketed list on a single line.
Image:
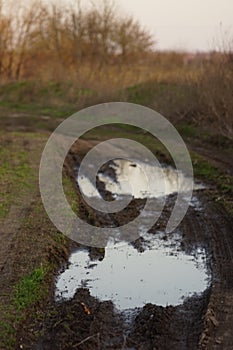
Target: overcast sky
[(183, 24)]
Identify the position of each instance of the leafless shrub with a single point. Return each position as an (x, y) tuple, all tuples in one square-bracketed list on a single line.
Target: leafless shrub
[(215, 88), (71, 38)]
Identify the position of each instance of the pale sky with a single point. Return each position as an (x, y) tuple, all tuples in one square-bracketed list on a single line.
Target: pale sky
[(193, 25)]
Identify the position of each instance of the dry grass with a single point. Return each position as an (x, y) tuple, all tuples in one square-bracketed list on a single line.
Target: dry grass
[(215, 88)]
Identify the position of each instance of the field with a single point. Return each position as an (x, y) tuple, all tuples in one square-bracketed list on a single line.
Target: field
[(194, 92)]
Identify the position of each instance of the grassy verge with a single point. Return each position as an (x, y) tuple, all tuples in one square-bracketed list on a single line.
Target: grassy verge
[(61, 99), (31, 289), (15, 173), (37, 248), (221, 183), (51, 98), (25, 301), (70, 192), (208, 172)]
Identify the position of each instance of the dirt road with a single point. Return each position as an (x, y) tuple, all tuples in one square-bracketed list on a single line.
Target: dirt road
[(29, 240)]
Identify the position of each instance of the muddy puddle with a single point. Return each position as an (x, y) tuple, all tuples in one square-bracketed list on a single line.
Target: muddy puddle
[(158, 272), (161, 274), (130, 179)]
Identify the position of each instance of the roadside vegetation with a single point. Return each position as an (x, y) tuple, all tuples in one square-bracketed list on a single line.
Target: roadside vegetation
[(15, 172), (29, 290), (31, 247)]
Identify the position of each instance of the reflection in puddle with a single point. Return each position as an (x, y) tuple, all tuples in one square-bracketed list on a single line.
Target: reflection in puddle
[(87, 187), (131, 179), (161, 275)]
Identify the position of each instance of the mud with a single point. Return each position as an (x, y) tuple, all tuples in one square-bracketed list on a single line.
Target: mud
[(97, 325)]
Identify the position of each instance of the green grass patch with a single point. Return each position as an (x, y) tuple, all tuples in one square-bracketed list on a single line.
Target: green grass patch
[(187, 130), (168, 98), (15, 174), (31, 289), (206, 171), (27, 294), (54, 99), (203, 169), (215, 177), (7, 335)]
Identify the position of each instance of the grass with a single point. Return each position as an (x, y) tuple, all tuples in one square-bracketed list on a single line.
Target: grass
[(187, 130), (16, 180), (61, 99), (8, 335), (177, 99), (40, 247), (167, 97), (70, 193), (54, 99), (15, 174), (213, 176), (31, 289), (27, 294), (206, 171)]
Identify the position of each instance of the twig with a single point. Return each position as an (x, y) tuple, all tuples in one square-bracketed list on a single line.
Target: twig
[(86, 339), (98, 340), (124, 344)]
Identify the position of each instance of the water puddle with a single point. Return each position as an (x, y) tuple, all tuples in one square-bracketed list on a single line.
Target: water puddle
[(126, 172), (162, 274)]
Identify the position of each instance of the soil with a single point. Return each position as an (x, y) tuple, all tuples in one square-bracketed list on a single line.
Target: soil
[(201, 322)]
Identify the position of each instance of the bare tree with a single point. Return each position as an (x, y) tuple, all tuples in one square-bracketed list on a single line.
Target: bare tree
[(67, 35), (131, 39)]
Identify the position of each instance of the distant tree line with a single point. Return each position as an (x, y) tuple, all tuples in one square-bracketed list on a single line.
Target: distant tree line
[(37, 34)]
